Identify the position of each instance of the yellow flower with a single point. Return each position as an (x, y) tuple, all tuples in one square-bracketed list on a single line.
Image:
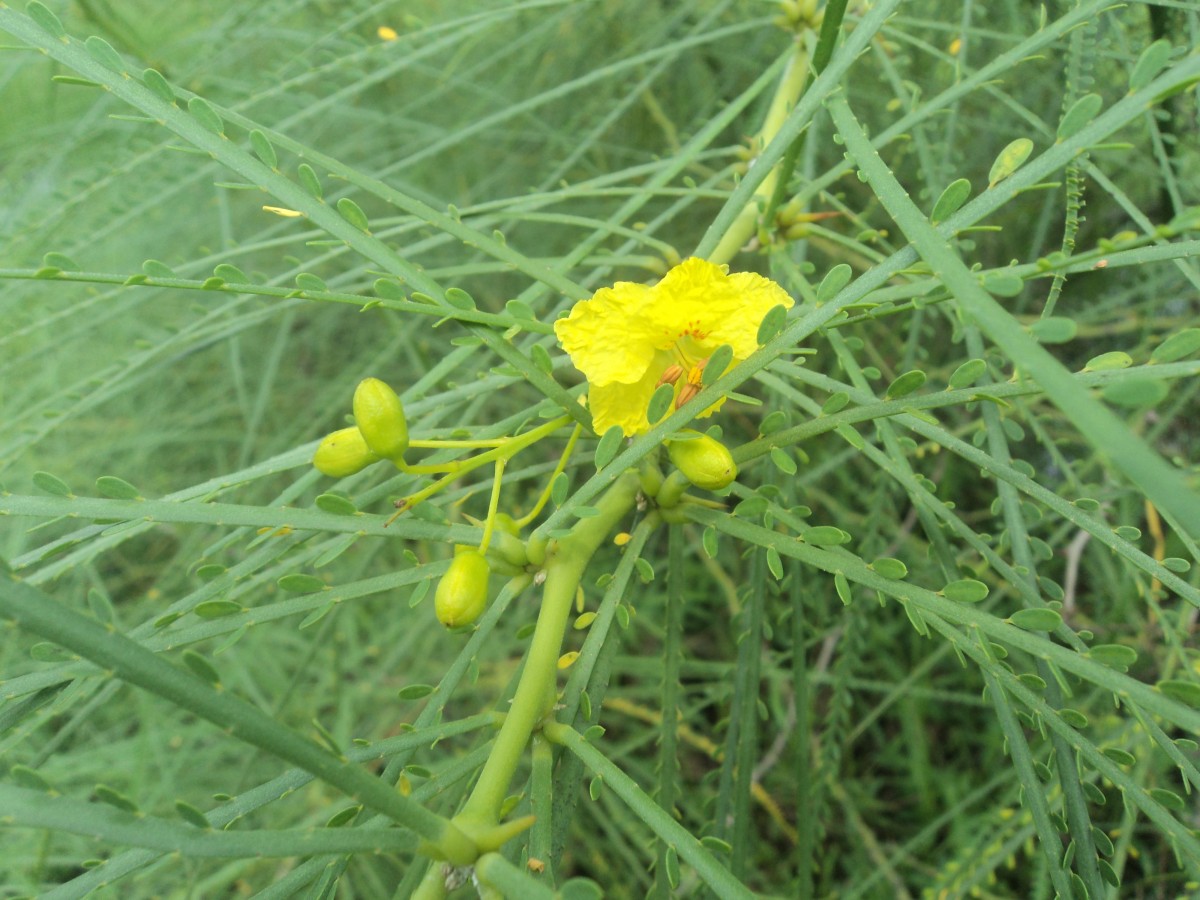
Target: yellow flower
[(629, 339)]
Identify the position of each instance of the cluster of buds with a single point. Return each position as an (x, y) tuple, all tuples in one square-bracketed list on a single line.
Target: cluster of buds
[(799, 16), (380, 432)]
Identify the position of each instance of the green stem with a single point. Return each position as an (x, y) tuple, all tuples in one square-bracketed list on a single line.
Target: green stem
[(433, 885), (831, 24), (566, 560), (786, 95), (511, 448)]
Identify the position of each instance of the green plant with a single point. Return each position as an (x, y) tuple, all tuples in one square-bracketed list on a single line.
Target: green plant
[(911, 614)]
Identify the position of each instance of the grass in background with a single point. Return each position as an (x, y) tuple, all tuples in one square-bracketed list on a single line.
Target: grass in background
[(977, 676)]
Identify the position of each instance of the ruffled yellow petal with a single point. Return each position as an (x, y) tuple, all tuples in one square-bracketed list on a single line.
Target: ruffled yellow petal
[(756, 297), (609, 338), (623, 404), (697, 300)]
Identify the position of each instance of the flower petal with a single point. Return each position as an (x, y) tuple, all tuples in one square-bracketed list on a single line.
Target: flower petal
[(608, 337), (623, 404), (698, 300)]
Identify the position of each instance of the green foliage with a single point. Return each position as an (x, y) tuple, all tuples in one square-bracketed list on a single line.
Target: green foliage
[(937, 626)]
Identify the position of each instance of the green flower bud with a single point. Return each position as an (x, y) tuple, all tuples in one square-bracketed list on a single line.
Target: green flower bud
[(705, 462), (343, 453), (380, 417), (462, 594)]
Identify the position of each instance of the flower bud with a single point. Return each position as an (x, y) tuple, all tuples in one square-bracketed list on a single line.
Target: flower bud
[(705, 462), (380, 417), (343, 453), (462, 594)]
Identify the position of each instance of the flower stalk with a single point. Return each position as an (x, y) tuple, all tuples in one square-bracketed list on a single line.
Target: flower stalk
[(566, 560)]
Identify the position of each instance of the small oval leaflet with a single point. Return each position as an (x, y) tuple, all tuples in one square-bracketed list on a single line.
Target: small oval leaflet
[(836, 279), (1117, 656), (824, 536), (156, 269), (660, 403), (952, 198), (1149, 64), (1119, 756), (783, 461), (101, 607), (836, 402), (850, 435), (415, 691), (1002, 284), (890, 568), (905, 384), (60, 261), (30, 778), (102, 52), (967, 374), (1176, 564), (1010, 159), (1073, 717), (309, 180), (263, 149), (775, 421), (203, 113), (155, 82), (842, 586), (299, 583), (227, 272), (709, 541), (343, 816), (671, 858), (217, 609), (774, 563), (1054, 330), (306, 281), (335, 504), (44, 651), (353, 214), (113, 797), (965, 590), (201, 667), (608, 446), (1136, 393), (1107, 362), (456, 297), (1178, 346), (717, 364), (209, 571), (1036, 619), (772, 323), (584, 621), (316, 616), (1169, 799), (1184, 691), (519, 310), (51, 484), (116, 488), (1081, 112), (45, 18), (539, 354), (559, 488)]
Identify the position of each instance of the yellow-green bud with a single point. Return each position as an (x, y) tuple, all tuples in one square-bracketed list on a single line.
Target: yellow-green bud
[(380, 417), (343, 453), (462, 594), (707, 463)]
